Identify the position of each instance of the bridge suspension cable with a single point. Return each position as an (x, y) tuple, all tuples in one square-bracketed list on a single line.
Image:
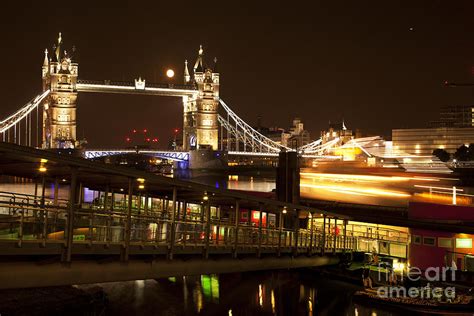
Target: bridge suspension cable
[(13, 122), (317, 147), (240, 133)]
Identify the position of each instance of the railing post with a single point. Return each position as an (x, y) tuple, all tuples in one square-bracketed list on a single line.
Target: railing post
[(173, 224), (236, 236), (70, 217), (323, 244), (128, 222), (280, 231), (260, 236), (310, 250), (185, 225), (296, 230), (345, 235), (335, 235), (208, 229)]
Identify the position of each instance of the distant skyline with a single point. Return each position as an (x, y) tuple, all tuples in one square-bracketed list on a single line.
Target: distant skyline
[(379, 65)]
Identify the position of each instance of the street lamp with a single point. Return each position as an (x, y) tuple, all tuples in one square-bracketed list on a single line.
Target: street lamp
[(176, 130)]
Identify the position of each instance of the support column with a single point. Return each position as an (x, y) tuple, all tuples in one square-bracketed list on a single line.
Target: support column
[(296, 229), (280, 230), (69, 232), (335, 236), (56, 191), (128, 223)]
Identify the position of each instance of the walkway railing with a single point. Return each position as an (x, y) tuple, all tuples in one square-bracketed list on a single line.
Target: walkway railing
[(43, 221), (152, 229)]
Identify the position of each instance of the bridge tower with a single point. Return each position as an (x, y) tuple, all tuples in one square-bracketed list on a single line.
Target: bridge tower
[(59, 74), (200, 125)]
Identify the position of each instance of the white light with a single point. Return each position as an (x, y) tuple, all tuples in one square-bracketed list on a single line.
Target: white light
[(170, 73)]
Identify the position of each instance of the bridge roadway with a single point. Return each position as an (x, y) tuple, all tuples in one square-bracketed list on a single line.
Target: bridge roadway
[(144, 226), (184, 155), (107, 86)]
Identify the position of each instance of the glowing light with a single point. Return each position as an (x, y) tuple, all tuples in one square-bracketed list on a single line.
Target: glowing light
[(140, 180), (170, 73), (354, 177), (42, 169), (141, 186), (358, 190), (43, 160)]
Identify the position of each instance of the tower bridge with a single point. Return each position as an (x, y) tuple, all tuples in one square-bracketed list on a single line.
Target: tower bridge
[(49, 121)]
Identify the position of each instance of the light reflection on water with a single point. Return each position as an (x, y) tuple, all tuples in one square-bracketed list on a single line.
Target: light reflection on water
[(264, 293)]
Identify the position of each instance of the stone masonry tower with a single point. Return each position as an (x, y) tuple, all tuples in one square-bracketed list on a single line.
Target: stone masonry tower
[(200, 126), (59, 74)]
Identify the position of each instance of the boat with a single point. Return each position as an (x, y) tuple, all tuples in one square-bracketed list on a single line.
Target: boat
[(461, 305)]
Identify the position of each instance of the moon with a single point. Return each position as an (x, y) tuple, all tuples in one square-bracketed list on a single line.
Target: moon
[(170, 73)]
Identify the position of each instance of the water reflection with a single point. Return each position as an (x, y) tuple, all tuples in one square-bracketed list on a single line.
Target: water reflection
[(263, 293)]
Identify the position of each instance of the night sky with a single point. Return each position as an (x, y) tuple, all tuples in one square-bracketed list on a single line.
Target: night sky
[(377, 64)]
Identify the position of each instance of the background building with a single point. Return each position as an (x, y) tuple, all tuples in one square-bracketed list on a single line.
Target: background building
[(297, 136), (337, 130), (422, 141), (455, 116)]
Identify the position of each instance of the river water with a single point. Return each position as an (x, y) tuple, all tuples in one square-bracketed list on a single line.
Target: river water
[(258, 293)]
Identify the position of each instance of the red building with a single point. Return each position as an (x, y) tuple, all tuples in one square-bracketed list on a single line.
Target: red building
[(441, 249)]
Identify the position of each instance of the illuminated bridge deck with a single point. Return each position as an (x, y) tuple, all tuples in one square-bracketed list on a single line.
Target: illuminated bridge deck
[(108, 86)]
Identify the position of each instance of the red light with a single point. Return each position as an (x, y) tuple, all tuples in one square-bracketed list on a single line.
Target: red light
[(134, 131), (148, 140), (145, 130), (128, 139), (155, 140), (176, 130)]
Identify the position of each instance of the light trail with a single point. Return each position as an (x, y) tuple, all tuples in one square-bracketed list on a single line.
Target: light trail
[(358, 190)]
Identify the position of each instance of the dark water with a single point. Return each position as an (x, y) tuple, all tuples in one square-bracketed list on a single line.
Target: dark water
[(257, 293)]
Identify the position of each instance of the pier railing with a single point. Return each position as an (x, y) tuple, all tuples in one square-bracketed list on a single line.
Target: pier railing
[(27, 219)]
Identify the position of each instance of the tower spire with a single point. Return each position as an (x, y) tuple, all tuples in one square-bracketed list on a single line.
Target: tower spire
[(214, 69), (46, 60), (58, 47), (187, 77), (198, 66)]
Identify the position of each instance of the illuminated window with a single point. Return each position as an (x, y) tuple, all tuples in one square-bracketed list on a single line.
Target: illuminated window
[(463, 243), (445, 242), (429, 241), (207, 122), (64, 118)]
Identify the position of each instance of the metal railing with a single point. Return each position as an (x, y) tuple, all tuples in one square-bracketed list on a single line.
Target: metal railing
[(29, 219)]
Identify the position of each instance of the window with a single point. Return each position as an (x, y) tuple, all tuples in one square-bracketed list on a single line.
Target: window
[(207, 122), (417, 239), (445, 242), (463, 243), (429, 241), (64, 118)]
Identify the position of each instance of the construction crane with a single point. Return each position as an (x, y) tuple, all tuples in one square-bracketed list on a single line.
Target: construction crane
[(455, 84)]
